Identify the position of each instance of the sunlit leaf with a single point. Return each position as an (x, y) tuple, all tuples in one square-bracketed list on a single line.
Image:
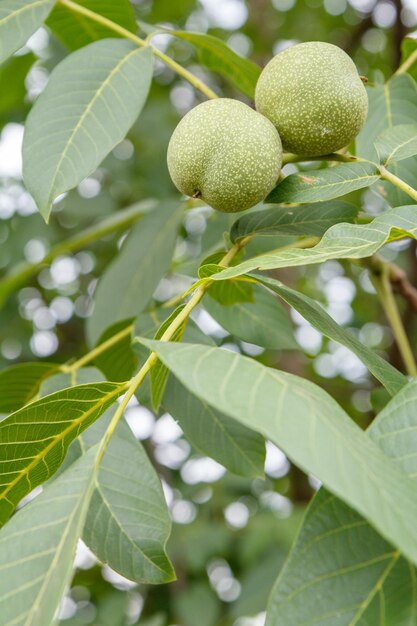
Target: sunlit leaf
[(397, 143), (342, 241), (340, 566), (19, 19), (91, 100), (392, 104), (309, 426), (34, 440), (37, 547), (127, 285), (128, 505), (324, 184), (310, 219)]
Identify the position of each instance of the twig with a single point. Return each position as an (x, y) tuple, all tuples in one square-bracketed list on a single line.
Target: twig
[(382, 283)]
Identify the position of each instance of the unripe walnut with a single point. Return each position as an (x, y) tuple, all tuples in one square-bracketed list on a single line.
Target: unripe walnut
[(225, 153), (313, 95)]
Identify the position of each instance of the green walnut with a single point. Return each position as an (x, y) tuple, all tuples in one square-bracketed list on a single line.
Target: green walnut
[(225, 153), (314, 96)]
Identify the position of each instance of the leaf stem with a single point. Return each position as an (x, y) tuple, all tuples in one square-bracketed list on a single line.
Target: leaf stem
[(176, 323), (306, 242), (142, 43), (382, 283), (398, 182), (97, 351)]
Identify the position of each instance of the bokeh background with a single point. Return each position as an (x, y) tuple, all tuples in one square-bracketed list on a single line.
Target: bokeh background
[(230, 534)]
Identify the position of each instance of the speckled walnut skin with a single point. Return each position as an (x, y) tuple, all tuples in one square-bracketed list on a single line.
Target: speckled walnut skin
[(314, 96), (225, 153)]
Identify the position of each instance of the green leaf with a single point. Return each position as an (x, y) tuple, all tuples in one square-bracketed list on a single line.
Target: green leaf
[(314, 313), (20, 383), (159, 373), (75, 30), (397, 143), (392, 104), (34, 440), (37, 547), (309, 426), (409, 47), (341, 559), (91, 100), (18, 21), (128, 505), (147, 325), (62, 381), (310, 219), (231, 292), (119, 362), (342, 241), (336, 568), (216, 55), (324, 184), (262, 322), (127, 285), (240, 449), (12, 83)]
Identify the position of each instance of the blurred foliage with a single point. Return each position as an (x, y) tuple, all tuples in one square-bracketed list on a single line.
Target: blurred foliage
[(226, 562)]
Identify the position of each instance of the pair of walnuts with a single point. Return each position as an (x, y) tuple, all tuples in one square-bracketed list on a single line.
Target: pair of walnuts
[(309, 100)]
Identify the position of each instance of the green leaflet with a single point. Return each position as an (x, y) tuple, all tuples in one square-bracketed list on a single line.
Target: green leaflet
[(74, 123), (19, 19), (342, 241), (75, 30), (34, 440), (324, 184), (262, 322), (392, 104), (127, 285), (397, 143), (309, 426), (240, 449), (388, 375), (127, 503), (20, 383), (216, 55), (340, 570), (307, 220), (37, 547)]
